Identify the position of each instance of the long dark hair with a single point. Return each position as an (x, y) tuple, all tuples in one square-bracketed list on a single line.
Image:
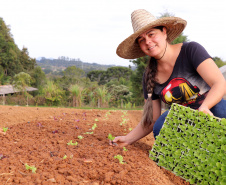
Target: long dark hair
[(150, 81)]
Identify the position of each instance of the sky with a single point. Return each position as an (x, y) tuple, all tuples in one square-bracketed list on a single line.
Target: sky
[(91, 30)]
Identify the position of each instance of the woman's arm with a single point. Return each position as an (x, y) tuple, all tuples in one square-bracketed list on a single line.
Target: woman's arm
[(212, 75), (140, 132)]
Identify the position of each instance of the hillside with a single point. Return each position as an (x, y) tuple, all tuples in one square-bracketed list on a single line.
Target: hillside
[(63, 62)]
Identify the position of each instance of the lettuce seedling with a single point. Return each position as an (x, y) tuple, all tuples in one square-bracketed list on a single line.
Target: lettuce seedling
[(5, 129), (124, 148), (120, 158), (94, 126), (65, 156), (96, 119), (88, 133), (32, 168), (111, 137), (70, 143), (80, 137)]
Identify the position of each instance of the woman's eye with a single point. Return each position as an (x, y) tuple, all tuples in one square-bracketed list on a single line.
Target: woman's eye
[(140, 40), (151, 34)]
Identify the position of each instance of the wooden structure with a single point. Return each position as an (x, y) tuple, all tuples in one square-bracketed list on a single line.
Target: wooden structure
[(9, 89)]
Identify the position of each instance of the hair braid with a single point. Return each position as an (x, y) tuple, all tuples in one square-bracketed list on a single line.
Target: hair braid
[(150, 75), (150, 81)]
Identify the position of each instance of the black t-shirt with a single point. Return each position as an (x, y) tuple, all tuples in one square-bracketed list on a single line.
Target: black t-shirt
[(185, 86)]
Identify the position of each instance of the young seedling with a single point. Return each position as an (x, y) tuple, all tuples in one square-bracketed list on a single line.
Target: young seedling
[(94, 126), (124, 148), (120, 158), (70, 143), (5, 129), (80, 137), (65, 156), (88, 133), (111, 137), (32, 168), (96, 119)]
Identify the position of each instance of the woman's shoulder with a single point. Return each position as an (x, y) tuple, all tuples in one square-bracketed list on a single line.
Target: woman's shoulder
[(191, 44)]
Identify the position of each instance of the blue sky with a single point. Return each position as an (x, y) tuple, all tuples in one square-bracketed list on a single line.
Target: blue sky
[(92, 29)]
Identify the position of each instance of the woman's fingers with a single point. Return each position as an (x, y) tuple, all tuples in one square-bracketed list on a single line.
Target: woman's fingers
[(206, 110)]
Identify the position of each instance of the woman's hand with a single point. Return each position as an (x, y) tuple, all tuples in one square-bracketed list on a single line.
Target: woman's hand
[(120, 141), (206, 110), (2, 132)]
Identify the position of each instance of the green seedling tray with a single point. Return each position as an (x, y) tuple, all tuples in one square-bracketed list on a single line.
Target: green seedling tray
[(192, 145)]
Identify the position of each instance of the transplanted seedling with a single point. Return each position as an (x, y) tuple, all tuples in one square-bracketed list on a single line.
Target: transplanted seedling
[(5, 129), (111, 137), (70, 143), (32, 168), (94, 126), (80, 137), (120, 158)]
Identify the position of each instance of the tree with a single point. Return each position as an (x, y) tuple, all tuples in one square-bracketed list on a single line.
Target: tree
[(112, 73), (119, 93), (20, 82), (96, 75), (38, 76), (136, 79), (219, 61), (12, 59), (72, 75)]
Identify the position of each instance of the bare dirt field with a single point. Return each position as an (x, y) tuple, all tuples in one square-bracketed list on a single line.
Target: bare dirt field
[(38, 137)]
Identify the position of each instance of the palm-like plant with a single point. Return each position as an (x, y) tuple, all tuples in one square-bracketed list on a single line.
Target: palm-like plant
[(77, 94), (53, 93), (101, 93), (92, 99)]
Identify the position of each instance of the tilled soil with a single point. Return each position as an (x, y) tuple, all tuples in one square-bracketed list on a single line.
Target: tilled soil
[(39, 137)]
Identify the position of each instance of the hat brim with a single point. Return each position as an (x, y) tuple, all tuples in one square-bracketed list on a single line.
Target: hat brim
[(129, 48)]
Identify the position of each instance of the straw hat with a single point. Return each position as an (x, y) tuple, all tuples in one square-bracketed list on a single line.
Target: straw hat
[(143, 21)]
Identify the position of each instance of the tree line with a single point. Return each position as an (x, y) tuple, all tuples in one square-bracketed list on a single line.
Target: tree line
[(71, 85)]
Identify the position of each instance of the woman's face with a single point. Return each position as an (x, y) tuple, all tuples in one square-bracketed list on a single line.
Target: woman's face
[(153, 42)]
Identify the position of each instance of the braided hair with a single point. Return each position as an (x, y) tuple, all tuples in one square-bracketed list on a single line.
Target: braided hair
[(150, 81)]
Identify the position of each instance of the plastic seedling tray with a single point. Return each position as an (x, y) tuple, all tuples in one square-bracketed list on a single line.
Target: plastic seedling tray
[(192, 145)]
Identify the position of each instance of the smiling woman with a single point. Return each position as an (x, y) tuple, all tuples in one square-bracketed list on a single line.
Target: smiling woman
[(182, 73)]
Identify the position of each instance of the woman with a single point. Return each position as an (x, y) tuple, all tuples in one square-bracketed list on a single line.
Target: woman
[(183, 73)]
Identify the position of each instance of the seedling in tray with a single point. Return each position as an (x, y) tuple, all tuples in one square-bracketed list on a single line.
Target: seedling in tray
[(191, 144)]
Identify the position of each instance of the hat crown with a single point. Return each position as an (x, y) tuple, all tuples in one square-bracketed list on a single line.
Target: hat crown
[(141, 18)]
